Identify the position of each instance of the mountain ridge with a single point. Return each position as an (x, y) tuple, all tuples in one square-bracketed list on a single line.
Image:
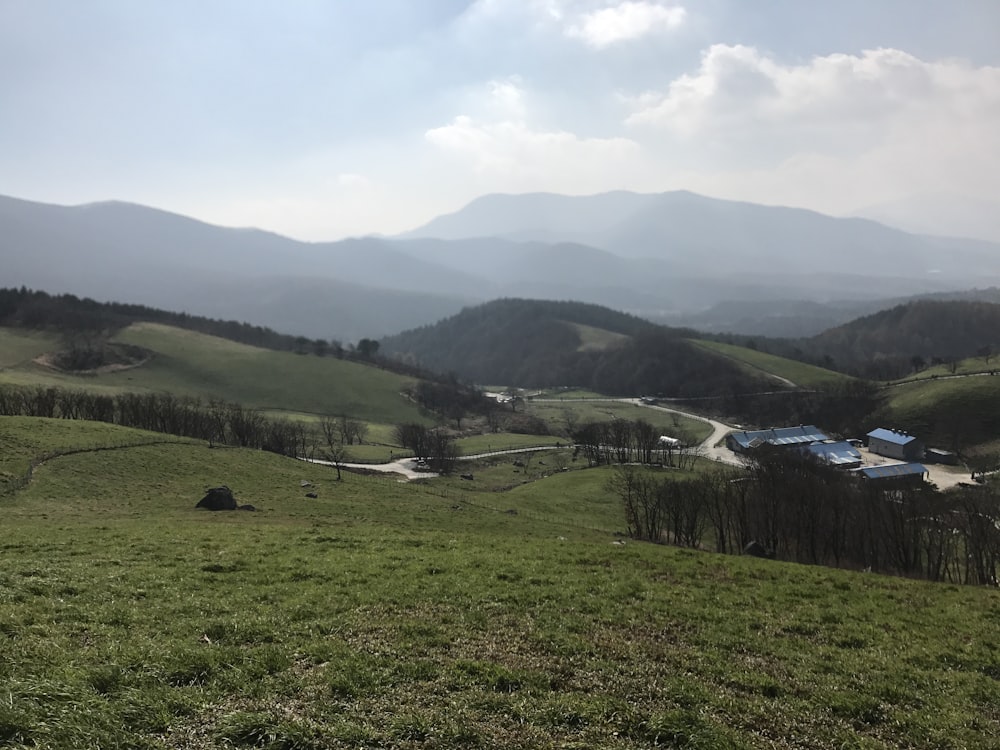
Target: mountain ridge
[(653, 263)]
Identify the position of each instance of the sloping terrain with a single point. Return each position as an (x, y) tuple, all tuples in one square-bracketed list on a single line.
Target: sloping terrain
[(381, 614), (660, 256), (953, 412), (702, 235), (194, 364), (786, 371), (907, 337), (533, 343), (140, 255)]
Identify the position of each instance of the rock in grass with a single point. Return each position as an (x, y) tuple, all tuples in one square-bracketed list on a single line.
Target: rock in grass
[(218, 498)]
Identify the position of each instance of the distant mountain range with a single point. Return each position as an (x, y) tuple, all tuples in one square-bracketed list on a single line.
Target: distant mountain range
[(669, 257)]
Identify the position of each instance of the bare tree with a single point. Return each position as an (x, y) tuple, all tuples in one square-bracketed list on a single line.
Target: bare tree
[(334, 450)]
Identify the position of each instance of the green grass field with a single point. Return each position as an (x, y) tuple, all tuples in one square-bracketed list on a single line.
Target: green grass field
[(971, 366), (567, 411), (413, 615), (19, 347), (954, 412), (194, 364), (800, 373), (597, 339)]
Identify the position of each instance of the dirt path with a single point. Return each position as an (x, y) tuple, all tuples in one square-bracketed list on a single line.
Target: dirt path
[(407, 467)]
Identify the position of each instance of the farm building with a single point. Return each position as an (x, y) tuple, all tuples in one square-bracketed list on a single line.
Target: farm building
[(741, 442), (839, 453), (895, 444), (909, 472)]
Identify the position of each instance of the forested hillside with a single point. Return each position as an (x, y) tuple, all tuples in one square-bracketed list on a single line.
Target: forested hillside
[(67, 314), (892, 343), (531, 343)]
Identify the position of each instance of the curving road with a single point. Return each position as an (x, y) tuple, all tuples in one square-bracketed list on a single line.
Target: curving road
[(709, 446)]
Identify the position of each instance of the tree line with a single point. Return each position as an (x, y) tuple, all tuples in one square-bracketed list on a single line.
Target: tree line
[(622, 441), (802, 510), (222, 422), (86, 325)]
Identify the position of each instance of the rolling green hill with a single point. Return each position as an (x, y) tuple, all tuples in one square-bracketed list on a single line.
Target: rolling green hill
[(779, 368), (541, 344), (18, 347), (951, 412), (388, 615), (194, 364)]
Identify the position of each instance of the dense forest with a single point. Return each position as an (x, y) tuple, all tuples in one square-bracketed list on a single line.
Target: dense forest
[(892, 343), (537, 344)]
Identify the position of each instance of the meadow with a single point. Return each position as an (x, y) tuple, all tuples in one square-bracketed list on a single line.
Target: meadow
[(955, 413), (18, 347), (439, 615), (563, 413), (801, 374), (187, 363)]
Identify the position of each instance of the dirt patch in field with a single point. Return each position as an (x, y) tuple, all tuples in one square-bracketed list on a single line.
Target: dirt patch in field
[(95, 360)]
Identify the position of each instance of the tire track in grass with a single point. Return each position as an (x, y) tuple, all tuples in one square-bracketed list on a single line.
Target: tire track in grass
[(14, 486)]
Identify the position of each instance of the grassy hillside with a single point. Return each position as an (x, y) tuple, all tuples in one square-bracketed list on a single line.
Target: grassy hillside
[(955, 413), (563, 415), (597, 339), (394, 615), (195, 364), (799, 373), (19, 346)]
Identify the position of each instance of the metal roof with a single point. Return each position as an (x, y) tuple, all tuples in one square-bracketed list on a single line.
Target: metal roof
[(840, 453), (891, 436), (801, 435), (893, 470)]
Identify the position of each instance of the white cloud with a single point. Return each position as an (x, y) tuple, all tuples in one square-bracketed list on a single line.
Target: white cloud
[(838, 131), (598, 23), (737, 87), (507, 153), (628, 20), (510, 156)]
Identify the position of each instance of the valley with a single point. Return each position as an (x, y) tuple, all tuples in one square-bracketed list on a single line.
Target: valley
[(518, 523)]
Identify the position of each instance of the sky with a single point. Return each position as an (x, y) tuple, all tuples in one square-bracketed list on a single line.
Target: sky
[(321, 119)]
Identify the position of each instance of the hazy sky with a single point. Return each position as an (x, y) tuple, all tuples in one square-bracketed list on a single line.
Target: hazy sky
[(324, 118)]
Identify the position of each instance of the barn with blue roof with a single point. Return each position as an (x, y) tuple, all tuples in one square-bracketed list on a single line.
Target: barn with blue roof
[(839, 453), (741, 442), (908, 472), (895, 444)]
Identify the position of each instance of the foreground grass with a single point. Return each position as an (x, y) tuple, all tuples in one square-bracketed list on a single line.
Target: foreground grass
[(390, 615), (800, 373)]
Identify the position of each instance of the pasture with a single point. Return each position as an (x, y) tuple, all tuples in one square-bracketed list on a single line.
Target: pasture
[(187, 363), (801, 374), (383, 614), (563, 414)]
